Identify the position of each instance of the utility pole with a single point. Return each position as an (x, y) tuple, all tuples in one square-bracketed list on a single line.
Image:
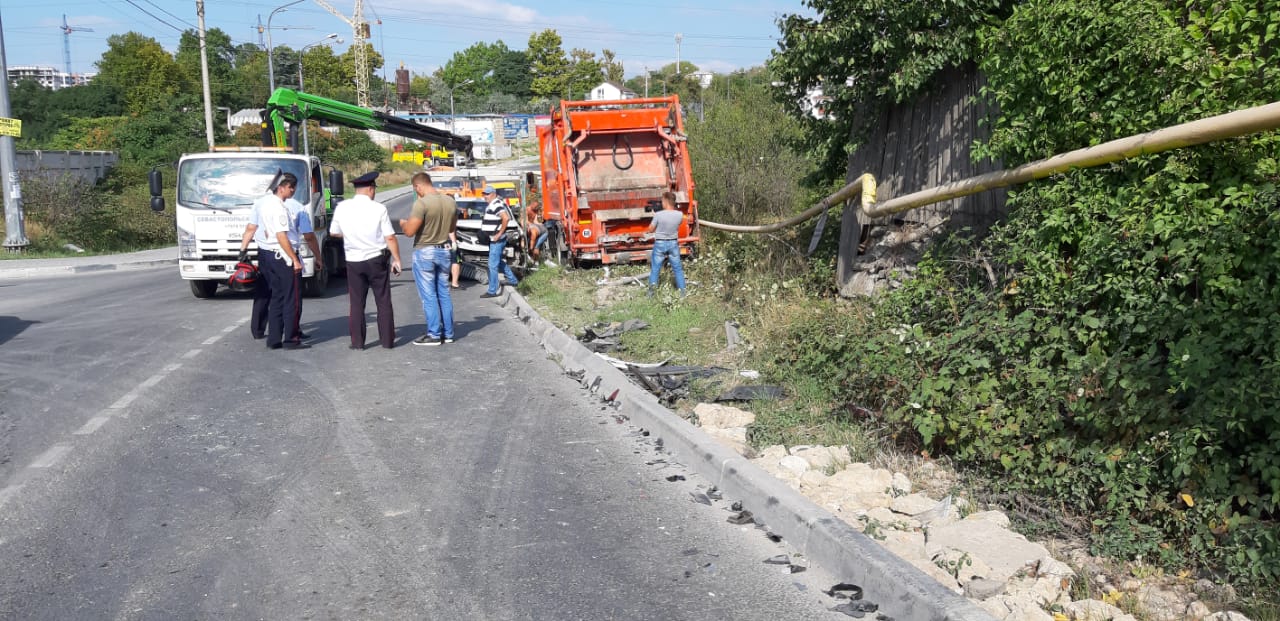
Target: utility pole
[(646, 81), (204, 77), (679, 38), (15, 235)]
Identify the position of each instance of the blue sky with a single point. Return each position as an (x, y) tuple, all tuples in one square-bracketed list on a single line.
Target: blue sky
[(423, 34)]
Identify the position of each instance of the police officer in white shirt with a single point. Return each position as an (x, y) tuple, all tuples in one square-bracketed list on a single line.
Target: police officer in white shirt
[(280, 265), (369, 244), (300, 231)]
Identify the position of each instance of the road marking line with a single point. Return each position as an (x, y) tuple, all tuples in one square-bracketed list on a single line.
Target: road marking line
[(152, 381), (170, 368), (92, 425), (124, 401), (9, 492), (211, 340), (229, 328), (191, 354), (51, 456)]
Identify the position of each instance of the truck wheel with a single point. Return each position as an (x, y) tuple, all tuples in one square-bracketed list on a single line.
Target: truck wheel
[(314, 287), (203, 289), (474, 272)]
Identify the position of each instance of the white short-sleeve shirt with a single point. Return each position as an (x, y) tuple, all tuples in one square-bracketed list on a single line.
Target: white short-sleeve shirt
[(364, 226), (273, 217)]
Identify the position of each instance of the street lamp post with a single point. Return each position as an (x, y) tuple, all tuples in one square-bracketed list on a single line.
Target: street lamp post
[(306, 145), (271, 70), (452, 120)]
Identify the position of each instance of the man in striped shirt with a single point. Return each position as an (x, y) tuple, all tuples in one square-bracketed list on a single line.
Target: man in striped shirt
[(494, 228)]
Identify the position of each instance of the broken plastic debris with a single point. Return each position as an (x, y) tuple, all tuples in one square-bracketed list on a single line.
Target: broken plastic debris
[(845, 590), (750, 374), (700, 498), (781, 559), (736, 506), (751, 393), (741, 517), (675, 477), (772, 537), (856, 608), (793, 569), (714, 494)]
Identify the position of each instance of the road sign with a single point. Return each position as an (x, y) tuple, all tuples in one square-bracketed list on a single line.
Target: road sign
[(10, 127)]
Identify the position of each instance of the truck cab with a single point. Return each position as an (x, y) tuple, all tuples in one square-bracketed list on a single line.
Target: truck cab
[(215, 197)]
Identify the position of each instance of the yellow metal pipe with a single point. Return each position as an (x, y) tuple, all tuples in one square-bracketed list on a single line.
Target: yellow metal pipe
[(866, 184), (1230, 125)]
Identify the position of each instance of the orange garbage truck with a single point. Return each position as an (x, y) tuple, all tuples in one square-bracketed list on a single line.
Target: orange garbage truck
[(605, 166)]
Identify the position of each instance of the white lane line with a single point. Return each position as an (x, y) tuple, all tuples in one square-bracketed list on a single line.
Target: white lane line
[(170, 368), (211, 340), (51, 456), (240, 322), (92, 425), (9, 492), (191, 354), (123, 402), (228, 329), (152, 381)]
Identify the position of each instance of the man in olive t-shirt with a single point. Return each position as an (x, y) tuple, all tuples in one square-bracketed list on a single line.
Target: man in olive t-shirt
[(432, 223)]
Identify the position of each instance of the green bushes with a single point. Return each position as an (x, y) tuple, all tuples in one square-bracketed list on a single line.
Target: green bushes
[(63, 209)]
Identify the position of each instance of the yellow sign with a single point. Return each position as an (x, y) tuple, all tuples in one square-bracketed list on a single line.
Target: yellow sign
[(10, 127)]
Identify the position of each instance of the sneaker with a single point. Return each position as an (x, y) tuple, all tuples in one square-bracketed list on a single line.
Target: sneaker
[(448, 340), (549, 263), (427, 339), (486, 294)]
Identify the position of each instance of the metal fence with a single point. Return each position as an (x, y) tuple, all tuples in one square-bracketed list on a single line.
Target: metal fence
[(87, 166)]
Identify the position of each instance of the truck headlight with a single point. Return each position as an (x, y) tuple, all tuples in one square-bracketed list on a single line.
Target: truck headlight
[(187, 245)]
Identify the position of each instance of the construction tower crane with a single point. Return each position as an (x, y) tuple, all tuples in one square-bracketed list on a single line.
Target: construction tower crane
[(359, 36), (66, 41)]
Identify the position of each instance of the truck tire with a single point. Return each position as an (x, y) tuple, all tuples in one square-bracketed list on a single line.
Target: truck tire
[(314, 287), (474, 272), (203, 289)]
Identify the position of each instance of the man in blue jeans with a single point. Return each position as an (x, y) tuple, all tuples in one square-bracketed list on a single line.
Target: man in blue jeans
[(432, 222), (494, 227), (666, 243)]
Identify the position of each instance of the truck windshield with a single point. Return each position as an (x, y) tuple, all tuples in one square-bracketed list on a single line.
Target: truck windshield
[(225, 183)]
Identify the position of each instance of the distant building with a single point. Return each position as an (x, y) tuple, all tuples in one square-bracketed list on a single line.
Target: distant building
[(611, 91), (248, 116), (48, 77)]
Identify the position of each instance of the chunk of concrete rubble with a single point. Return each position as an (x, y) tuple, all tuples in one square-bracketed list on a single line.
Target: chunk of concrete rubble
[(773, 452), (1197, 610), (962, 565), (885, 516), (1091, 610), (995, 517), (906, 545), (1044, 591), (1226, 615), (1050, 567), (937, 573), (857, 486), (1012, 607), (912, 504), (812, 479), (983, 588), (822, 458), (1006, 552), (722, 416), (796, 465), (1158, 604), (900, 483), (733, 437)]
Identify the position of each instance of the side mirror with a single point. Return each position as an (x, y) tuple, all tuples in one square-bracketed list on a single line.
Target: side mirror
[(335, 182), (156, 181), (531, 179)]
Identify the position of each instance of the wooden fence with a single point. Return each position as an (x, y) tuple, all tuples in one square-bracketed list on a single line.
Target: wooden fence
[(911, 147)]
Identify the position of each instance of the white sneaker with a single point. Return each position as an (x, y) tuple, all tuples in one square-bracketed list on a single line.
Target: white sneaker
[(549, 263)]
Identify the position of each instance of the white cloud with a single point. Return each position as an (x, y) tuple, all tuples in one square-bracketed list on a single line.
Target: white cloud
[(477, 8)]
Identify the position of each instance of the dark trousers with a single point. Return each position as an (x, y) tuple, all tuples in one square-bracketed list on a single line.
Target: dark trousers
[(262, 302), (283, 304), (362, 276)]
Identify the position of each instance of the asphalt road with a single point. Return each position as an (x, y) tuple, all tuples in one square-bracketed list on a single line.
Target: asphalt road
[(158, 463)]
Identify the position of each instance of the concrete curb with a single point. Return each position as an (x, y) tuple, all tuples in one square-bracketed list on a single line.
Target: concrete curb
[(17, 273), (901, 590)]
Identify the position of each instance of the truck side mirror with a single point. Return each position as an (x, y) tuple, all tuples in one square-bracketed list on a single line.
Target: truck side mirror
[(156, 181), (335, 182), (531, 179)]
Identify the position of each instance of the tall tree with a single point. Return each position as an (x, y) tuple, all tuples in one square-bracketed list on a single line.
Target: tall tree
[(140, 68), (221, 53), (585, 73), (473, 64), (512, 75), (613, 69), (548, 64)]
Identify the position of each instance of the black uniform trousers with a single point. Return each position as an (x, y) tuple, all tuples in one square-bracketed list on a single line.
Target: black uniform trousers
[(262, 302), (362, 276), (282, 310)]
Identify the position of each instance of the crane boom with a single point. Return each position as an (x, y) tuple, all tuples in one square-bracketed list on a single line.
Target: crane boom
[(288, 106), (359, 37)]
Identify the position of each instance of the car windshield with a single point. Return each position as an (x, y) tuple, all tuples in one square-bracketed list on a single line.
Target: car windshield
[(226, 182), (471, 209), (508, 193), (448, 185)]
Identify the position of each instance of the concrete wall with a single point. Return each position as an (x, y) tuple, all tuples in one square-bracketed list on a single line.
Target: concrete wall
[(88, 166)]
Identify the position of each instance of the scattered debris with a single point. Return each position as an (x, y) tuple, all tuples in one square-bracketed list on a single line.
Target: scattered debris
[(700, 498), (856, 608), (749, 374), (772, 537), (676, 477), (731, 336), (752, 393), (714, 493), (845, 590), (576, 375), (793, 569), (741, 517), (601, 337), (781, 559), (736, 506)]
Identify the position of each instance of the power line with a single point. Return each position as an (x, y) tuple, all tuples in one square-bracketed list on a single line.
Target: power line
[(153, 16)]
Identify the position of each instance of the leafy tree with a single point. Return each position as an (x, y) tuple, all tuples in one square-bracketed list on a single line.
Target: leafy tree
[(866, 55), (322, 72), (585, 73), (142, 70), (548, 65), (512, 74), (613, 70), (473, 63), (220, 52)]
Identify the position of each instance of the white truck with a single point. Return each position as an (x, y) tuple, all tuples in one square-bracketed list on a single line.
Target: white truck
[(216, 191)]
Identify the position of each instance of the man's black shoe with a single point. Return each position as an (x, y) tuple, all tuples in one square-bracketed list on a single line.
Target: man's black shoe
[(486, 294), (258, 337), (296, 346), (275, 346), (303, 335), (356, 347)]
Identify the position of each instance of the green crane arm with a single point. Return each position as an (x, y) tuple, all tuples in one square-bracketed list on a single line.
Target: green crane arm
[(290, 106)]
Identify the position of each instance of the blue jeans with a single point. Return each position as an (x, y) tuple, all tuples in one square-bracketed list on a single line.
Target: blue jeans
[(431, 273), (496, 261), (666, 250), (542, 236)]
